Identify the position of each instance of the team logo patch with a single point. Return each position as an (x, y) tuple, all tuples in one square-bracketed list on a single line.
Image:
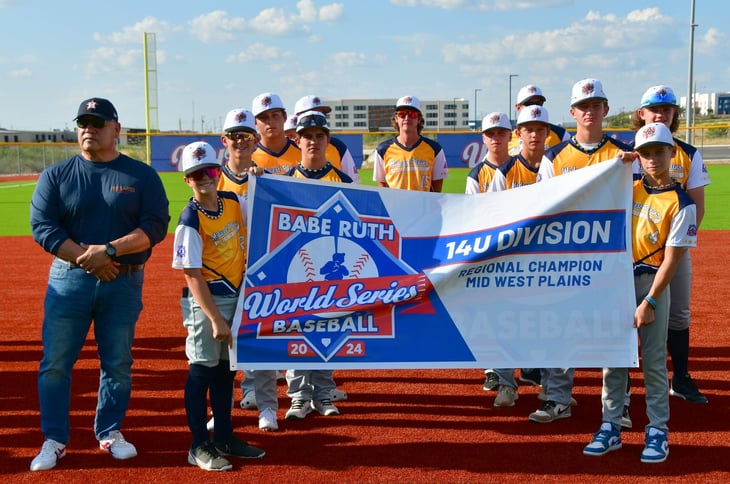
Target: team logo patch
[(587, 88), (91, 105), (692, 230), (331, 279)]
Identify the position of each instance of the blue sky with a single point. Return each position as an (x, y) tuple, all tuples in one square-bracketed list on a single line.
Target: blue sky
[(213, 56)]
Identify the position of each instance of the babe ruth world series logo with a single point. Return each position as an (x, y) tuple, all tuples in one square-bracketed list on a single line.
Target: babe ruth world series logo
[(331, 280)]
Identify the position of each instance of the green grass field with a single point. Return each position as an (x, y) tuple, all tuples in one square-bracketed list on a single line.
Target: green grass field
[(15, 198)]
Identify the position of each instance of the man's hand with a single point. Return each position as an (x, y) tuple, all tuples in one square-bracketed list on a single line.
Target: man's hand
[(95, 261)]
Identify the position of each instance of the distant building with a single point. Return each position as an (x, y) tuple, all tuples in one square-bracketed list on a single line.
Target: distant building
[(372, 115), (56, 136), (716, 103)]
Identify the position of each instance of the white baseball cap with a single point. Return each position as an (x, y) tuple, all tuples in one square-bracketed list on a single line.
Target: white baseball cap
[(197, 155), (653, 134), (290, 123), (496, 120), (310, 103), (266, 101), (657, 96), (585, 90), (312, 119), (528, 92), (239, 120), (408, 102), (533, 114)]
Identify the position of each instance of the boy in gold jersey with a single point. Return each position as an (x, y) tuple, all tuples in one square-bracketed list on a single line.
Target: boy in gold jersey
[(258, 389), (312, 389), (496, 134), (664, 226), (239, 139), (410, 161), (532, 95), (532, 130), (589, 145), (274, 152), (210, 247), (337, 151), (659, 104)]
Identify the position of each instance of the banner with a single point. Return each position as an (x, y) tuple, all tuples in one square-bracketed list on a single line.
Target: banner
[(347, 276)]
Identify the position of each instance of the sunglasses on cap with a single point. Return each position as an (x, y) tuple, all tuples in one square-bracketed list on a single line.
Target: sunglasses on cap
[(209, 171), (240, 136), (83, 123), (407, 114), (534, 101), (659, 98)]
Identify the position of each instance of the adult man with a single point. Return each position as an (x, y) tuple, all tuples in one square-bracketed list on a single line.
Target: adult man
[(99, 213), (337, 151), (532, 95), (589, 145), (275, 153), (410, 161)]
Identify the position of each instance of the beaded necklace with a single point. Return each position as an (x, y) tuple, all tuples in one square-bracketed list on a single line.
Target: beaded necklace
[(228, 170), (587, 151), (314, 172), (659, 187), (213, 216)]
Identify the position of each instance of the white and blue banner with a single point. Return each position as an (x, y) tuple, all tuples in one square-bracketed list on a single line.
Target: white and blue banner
[(347, 276)]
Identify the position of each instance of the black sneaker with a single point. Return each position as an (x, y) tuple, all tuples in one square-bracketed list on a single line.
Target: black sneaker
[(531, 376), (683, 387), (491, 380), (239, 448)]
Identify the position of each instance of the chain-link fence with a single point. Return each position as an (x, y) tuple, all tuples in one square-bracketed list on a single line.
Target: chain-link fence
[(32, 158)]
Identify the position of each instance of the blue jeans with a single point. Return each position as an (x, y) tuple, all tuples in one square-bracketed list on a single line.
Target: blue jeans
[(73, 299)]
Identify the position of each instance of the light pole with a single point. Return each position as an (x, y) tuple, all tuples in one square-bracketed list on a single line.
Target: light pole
[(509, 106), (476, 113), (690, 107)]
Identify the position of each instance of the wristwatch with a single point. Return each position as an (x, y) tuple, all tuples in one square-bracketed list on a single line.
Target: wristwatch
[(111, 251)]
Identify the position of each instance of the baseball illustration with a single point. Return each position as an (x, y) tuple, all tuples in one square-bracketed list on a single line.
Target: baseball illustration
[(331, 258)]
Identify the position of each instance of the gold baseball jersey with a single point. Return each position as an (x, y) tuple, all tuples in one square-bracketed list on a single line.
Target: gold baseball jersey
[(328, 173), (660, 218), (517, 172), (230, 183), (277, 163), (556, 135), (411, 168), (216, 244), (480, 177), (570, 156)]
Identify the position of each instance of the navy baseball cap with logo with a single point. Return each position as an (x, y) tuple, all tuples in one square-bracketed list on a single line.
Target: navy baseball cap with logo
[(99, 108)]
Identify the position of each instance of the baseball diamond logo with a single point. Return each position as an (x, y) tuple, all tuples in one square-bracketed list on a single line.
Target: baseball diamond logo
[(330, 275)]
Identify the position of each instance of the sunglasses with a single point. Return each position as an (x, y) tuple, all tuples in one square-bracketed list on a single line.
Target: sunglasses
[(407, 114), (97, 123), (239, 136), (210, 172)]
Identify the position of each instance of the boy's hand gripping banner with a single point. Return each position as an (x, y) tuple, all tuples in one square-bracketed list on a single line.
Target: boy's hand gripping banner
[(347, 276)]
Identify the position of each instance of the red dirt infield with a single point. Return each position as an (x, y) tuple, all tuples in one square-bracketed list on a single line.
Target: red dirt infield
[(397, 426)]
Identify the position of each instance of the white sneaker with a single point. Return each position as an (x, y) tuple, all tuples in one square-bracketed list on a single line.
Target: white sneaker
[(47, 458), (338, 395), (119, 448), (267, 420), (299, 410), (211, 424), (325, 407), (249, 400)]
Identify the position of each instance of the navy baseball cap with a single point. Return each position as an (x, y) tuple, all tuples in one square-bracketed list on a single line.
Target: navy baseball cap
[(99, 108)]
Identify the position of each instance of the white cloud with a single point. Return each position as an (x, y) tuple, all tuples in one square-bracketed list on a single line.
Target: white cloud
[(112, 59), (712, 41), (216, 26), (24, 72), (135, 33), (348, 59), (257, 52), (332, 12)]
